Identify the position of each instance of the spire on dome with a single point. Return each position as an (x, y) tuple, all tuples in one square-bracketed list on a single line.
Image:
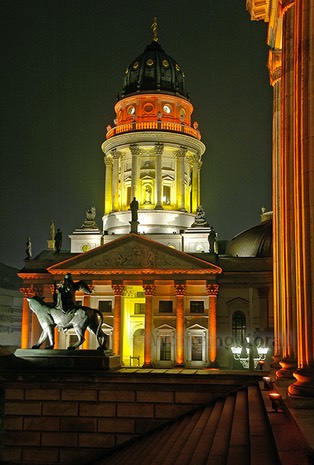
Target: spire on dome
[(154, 28)]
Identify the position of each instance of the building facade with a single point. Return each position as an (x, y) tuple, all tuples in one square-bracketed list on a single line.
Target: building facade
[(168, 296)]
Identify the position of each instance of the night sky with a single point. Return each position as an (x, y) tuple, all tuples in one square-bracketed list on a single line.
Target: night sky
[(62, 66)]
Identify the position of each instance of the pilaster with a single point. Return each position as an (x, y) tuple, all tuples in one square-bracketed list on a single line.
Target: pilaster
[(118, 289), (212, 290), (180, 290), (149, 290)]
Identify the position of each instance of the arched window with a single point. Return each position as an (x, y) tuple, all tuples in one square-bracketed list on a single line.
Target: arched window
[(238, 326)]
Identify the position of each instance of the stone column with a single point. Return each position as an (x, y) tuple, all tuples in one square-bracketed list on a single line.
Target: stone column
[(27, 335), (135, 151), (158, 176), (303, 195), (212, 290), (122, 183), (149, 292), (180, 290), (108, 185), (180, 181), (287, 307), (275, 73), (195, 181), (115, 180), (118, 291)]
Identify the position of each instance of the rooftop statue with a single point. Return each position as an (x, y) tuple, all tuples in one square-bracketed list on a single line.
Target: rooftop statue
[(90, 217), (200, 220), (58, 240), (28, 249)]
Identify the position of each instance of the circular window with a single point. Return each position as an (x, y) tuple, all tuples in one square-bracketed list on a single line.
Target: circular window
[(167, 109), (182, 113), (135, 65), (131, 110), (148, 107), (165, 63), (199, 247), (86, 247), (150, 62)]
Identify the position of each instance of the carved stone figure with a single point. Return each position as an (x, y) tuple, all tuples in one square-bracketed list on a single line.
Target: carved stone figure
[(212, 237), (134, 209), (28, 249), (200, 219), (66, 293), (90, 217), (79, 318), (52, 230), (58, 241)]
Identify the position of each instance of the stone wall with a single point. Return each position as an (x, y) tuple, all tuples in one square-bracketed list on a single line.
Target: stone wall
[(62, 419)]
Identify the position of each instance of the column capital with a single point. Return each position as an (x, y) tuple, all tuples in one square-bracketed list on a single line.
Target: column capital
[(274, 66), (108, 159), (159, 148), (117, 289), (31, 291), (115, 154), (149, 289), (212, 289), (181, 152), (135, 150), (180, 289)]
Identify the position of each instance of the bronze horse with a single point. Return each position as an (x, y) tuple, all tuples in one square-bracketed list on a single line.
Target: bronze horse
[(79, 318)]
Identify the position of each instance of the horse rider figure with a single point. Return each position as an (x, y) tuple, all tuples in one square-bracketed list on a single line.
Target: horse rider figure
[(66, 293)]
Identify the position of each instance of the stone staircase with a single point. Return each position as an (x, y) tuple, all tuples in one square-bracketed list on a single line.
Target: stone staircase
[(234, 430)]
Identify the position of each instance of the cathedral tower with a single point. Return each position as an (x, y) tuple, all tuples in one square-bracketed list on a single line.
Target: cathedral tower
[(153, 152)]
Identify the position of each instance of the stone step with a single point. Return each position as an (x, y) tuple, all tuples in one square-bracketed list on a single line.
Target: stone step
[(219, 450), (261, 439), (239, 447)]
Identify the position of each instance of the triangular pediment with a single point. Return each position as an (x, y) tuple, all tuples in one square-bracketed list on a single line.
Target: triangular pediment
[(135, 252)]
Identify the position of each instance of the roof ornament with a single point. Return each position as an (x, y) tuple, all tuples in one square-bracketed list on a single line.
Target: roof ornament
[(154, 28)]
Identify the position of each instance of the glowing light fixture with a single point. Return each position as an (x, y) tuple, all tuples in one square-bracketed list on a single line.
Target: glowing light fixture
[(276, 401)]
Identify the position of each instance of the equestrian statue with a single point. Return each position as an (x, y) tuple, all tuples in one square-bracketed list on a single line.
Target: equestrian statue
[(65, 314)]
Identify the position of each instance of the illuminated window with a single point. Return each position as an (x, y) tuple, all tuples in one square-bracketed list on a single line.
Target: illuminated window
[(165, 348), (197, 348), (139, 309), (105, 306), (166, 192), (167, 108), (128, 195), (165, 306), (238, 326), (197, 306), (131, 110)]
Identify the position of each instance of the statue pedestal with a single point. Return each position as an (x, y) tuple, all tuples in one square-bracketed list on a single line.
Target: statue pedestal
[(78, 360)]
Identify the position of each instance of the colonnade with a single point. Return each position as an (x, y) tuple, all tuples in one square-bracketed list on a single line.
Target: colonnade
[(115, 178)]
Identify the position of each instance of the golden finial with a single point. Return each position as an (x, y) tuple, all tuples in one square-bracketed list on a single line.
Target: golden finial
[(154, 28)]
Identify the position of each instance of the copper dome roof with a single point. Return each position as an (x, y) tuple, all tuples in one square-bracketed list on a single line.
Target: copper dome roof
[(254, 242), (154, 71)]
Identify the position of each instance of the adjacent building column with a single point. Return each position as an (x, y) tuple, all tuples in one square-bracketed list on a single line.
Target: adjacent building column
[(180, 181), (149, 292), (108, 185), (303, 195), (118, 291), (158, 175), (135, 151), (275, 73), (212, 290), (180, 290)]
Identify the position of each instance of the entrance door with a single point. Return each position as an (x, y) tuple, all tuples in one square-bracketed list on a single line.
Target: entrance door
[(138, 347)]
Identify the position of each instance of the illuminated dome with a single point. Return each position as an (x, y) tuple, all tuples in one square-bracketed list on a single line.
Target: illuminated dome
[(254, 242), (154, 71)]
